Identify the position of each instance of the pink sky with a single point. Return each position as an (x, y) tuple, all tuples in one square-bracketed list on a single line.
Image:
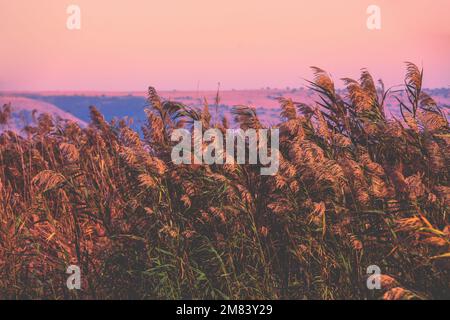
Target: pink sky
[(180, 44)]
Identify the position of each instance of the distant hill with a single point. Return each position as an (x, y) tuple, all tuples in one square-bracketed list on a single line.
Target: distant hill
[(22, 110), (132, 104)]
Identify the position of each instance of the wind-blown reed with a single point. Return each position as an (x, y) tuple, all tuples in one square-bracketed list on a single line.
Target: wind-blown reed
[(354, 189)]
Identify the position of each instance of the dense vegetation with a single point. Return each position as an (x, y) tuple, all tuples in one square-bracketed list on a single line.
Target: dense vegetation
[(355, 188)]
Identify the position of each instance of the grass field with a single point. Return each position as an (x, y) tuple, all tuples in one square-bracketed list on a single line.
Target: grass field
[(355, 188)]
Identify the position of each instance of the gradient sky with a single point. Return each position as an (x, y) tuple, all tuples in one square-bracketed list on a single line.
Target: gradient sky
[(182, 44)]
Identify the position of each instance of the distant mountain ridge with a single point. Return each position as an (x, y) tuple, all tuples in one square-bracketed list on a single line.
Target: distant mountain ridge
[(75, 105), (23, 109)]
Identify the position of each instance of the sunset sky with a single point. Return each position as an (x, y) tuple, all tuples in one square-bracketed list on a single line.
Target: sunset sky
[(185, 44)]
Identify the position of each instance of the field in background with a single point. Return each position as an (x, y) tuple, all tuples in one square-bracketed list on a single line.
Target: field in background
[(132, 104)]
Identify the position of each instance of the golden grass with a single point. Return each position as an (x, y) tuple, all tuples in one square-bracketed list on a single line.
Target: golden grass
[(354, 189)]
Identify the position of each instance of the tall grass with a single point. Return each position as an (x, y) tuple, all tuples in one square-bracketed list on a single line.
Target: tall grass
[(355, 188)]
